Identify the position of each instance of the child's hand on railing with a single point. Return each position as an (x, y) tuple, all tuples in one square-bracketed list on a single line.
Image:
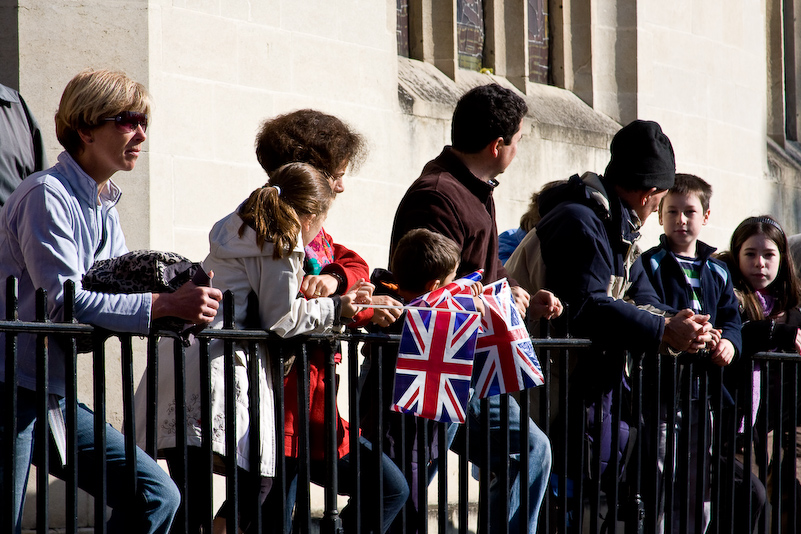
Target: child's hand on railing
[(360, 293), (721, 351), (386, 316)]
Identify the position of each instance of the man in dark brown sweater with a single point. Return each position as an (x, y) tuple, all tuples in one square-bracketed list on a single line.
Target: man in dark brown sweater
[(453, 197)]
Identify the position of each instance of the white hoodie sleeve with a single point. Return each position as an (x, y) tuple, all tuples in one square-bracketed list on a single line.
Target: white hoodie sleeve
[(280, 307), (241, 266)]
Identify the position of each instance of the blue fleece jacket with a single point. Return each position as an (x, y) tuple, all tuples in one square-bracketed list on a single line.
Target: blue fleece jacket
[(53, 228)]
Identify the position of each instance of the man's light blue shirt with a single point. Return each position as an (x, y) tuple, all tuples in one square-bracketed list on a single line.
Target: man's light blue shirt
[(52, 229)]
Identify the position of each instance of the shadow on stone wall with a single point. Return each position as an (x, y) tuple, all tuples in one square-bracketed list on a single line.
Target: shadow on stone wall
[(784, 170), (9, 43)]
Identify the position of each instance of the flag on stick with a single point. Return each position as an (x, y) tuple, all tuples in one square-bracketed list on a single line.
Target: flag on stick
[(505, 359), (435, 356)]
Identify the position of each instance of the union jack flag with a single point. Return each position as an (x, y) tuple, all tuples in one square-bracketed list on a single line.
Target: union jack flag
[(435, 357), (505, 356), (440, 298)]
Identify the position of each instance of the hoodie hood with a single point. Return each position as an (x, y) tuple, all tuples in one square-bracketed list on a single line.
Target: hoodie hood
[(225, 242), (593, 191), (587, 189)]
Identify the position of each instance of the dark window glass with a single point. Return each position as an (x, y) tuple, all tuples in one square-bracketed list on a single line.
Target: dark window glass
[(538, 41), (470, 33), (403, 28), (792, 91)]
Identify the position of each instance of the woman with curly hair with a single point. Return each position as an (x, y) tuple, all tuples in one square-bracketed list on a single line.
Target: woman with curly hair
[(327, 143)]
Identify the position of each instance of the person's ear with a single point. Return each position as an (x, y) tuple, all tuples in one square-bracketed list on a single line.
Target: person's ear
[(306, 221), (86, 135), (495, 147), (706, 217), (433, 285), (646, 195)]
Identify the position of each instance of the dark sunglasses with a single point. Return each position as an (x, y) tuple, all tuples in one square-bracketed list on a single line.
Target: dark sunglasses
[(128, 121)]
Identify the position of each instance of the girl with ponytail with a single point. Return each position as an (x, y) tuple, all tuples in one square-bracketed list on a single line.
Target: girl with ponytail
[(258, 248), (327, 143), (296, 192)]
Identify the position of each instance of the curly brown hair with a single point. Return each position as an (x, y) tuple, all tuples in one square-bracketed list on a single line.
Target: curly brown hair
[(530, 218), (308, 136)]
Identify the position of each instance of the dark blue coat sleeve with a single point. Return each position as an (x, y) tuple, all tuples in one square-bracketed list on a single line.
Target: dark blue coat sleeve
[(580, 264), (642, 291)]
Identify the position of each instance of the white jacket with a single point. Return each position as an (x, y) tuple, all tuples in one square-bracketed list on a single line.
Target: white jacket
[(239, 266)]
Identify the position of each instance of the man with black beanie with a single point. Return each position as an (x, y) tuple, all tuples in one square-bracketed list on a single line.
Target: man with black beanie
[(587, 238), (588, 235)]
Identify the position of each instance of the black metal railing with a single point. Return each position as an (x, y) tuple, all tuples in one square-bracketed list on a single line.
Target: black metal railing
[(690, 432)]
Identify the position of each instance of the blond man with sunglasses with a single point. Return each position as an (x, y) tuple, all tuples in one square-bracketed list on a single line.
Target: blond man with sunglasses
[(55, 225)]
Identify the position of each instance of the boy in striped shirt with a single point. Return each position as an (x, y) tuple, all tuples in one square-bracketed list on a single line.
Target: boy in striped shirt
[(685, 275), (683, 271)]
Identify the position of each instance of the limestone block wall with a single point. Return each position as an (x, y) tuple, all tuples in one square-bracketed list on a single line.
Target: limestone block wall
[(702, 75), (218, 70)]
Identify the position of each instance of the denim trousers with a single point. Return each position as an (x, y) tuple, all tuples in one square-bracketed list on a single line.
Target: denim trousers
[(539, 462), (150, 510), (396, 490)]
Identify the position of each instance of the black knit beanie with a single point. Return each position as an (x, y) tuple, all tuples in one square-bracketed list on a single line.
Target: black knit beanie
[(642, 158)]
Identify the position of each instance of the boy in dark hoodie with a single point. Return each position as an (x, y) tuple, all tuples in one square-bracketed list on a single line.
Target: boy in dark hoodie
[(683, 272)]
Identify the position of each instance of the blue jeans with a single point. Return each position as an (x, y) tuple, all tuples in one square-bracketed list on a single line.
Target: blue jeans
[(150, 510), (396, 491), (539, 462)]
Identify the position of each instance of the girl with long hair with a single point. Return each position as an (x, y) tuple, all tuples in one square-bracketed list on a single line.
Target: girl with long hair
[(766, 285)]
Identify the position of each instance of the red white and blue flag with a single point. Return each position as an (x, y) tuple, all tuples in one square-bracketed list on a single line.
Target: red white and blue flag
[(505, 359), (435, 357), (441, 298)]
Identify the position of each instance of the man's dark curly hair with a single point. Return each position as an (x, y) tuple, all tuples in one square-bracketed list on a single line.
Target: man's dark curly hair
[(484, 114), (308, 136)]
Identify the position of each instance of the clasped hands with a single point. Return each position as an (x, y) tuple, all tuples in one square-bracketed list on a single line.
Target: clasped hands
[(690, 332)]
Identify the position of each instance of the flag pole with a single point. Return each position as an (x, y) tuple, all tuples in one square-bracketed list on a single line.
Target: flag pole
[(400, 307)]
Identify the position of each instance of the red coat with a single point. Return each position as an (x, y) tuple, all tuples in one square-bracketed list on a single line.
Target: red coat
[(351, 267), (316, 410)]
